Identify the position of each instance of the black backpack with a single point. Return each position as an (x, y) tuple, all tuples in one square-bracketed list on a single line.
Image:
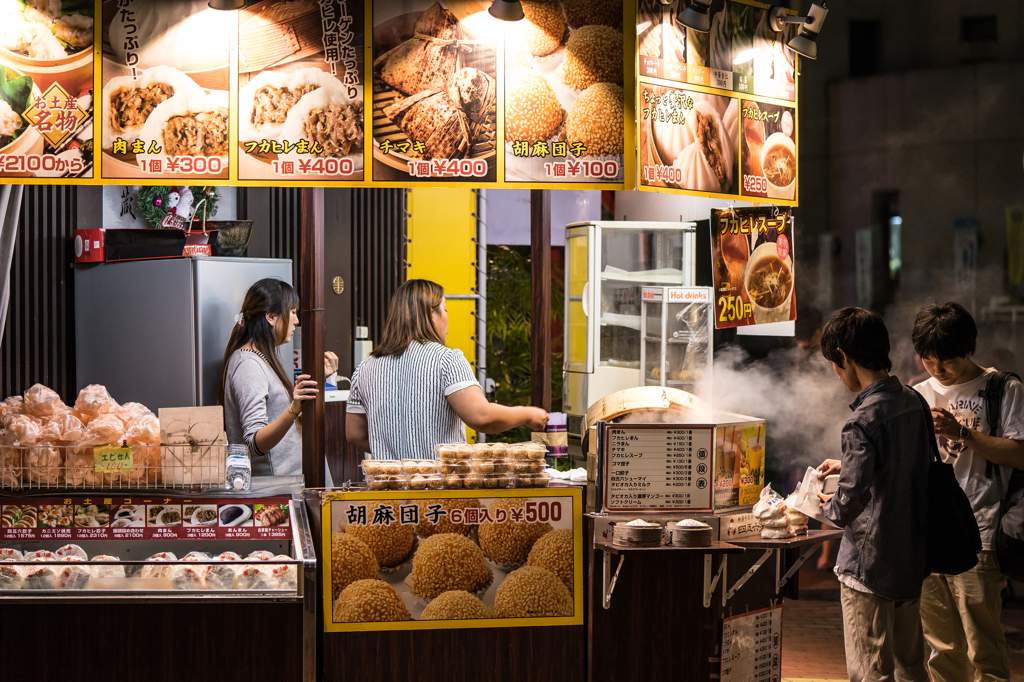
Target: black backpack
[(1010, 531)]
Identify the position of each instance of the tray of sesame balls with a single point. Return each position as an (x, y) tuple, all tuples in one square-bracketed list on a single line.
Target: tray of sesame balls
[(463, 466)]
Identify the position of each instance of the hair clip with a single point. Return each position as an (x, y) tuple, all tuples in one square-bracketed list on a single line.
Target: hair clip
[(239, 320)]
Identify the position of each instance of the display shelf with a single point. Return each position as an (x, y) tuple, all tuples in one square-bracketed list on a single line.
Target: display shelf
[(812, 537), (716, 548), (641, 278)]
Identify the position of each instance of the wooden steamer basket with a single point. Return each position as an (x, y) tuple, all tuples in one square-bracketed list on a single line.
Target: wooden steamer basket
[(637, 536), (690, 537)]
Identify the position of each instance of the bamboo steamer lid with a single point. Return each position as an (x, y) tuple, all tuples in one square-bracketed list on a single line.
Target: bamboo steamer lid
[(638, 399)]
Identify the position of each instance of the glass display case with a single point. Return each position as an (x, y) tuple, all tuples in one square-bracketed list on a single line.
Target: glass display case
[(676, 328), (607, 265)]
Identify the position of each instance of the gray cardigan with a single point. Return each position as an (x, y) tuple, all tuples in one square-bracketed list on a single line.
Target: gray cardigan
[(254, 397)]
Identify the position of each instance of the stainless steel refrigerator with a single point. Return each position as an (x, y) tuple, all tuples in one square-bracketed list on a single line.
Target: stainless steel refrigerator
[(155, 331)]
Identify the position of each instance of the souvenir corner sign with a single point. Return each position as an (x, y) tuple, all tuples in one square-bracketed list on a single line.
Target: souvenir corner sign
[(393, 94)]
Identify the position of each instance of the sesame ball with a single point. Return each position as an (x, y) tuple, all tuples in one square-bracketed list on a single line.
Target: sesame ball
[(435, 482), (369, 601), (544, 26), (378, 482), (391, 468), (596, 120), (390, 543), (418, 482), (584, 12), (351, 560), (593, 55), (455, 605), (554, 552), (448, 561), (482, 466), (428, 466), (444, 525), (509, 543), (532, 111), (474, 481), (532, 592), (372, 467), (455, 468), (453, 481), (410, 467)]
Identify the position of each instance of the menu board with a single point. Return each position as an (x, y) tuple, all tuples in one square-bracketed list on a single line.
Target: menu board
[(717, 111), (46, 90), (752, 266), (145, 518), (752, 646), (452, 559), (651, 467)]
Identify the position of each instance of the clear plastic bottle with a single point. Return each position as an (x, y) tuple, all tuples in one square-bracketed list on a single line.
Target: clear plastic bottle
[(238, 470)]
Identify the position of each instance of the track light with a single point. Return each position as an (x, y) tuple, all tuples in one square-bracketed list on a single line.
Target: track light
[(227, 4), (697, 16), (805, 42), (506, 10)]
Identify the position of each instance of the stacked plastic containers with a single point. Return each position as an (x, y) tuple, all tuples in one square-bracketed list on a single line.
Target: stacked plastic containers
[(463, 466)]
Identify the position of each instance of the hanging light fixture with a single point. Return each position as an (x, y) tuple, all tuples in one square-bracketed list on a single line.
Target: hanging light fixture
[(805, 43), (226, 4), (697, 16), (506, 10)]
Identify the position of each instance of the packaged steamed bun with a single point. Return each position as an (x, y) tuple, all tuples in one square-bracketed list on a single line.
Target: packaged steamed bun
[(130, 412), (21, 429), (41, 401), (105, 429), (94, 400)]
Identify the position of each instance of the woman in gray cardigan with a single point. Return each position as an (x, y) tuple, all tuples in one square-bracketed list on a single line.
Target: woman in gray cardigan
[(261, 406)]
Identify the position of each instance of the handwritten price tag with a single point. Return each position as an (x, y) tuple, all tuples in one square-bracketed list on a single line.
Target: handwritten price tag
[(113, 459)]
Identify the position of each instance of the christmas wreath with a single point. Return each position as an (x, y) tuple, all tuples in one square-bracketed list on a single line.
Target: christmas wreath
[(156, 202)]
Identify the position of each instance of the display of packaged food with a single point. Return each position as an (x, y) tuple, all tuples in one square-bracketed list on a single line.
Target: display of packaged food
[(372, 467), (71, 550), (190, 577), (73, 576), (11, 577), (287, 575), (534, 480), (454, 468), (42, 577), (454, 452), (255, 577), (426, 481), (386, 482), (411, 467), (112, 572), (528, 466), (530, 450)]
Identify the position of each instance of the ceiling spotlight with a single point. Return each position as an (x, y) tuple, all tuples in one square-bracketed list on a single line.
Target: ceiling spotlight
[(227, 4), (805, 43), (506, 10), (697, 16)]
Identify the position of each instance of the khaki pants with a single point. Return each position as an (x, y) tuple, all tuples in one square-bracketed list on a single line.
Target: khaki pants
[(961, 614), (883, 638)]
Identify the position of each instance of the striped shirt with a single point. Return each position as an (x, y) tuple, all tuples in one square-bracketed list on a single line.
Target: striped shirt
[(405, 400)]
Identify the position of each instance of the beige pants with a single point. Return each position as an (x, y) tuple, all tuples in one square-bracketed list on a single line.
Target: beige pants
[(961, 623), (883, 638)]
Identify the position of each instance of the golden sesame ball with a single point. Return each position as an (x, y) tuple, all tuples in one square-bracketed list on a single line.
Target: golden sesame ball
[(372, 467), (596, 120), (532, 592), (418, 482), (500, 451), (509, 543), (448, 561), (482, 466), (455, 468), (390, 543), (428, 466), (593, 55), (544, 26), (444, 525), (455, 605), (474, 481), (410, 467), (453, 481), (391, 468), (369, 601), (584, 12), (379, 482), (351, 560), (554, 552), (435, 482), (532, 111)]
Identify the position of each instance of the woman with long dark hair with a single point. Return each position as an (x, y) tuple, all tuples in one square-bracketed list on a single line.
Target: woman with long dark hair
[(414, 392), (261, 405)]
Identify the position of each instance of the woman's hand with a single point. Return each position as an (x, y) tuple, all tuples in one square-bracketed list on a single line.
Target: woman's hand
[(330, 363), (536, 418), (305, 389)]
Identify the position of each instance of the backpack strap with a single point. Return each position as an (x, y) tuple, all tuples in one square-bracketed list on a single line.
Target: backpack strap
[(992, 394), (930, 425)]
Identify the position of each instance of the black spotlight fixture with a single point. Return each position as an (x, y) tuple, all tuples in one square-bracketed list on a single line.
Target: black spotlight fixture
[(506, 10), (697, 16), (805, 43)]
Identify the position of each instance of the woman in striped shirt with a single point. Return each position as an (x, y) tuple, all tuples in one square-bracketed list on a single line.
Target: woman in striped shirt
[(414, 392)]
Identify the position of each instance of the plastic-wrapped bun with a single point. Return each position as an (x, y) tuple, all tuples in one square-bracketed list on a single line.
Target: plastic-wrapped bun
[(94, 400), (72, 576), (11, 554), (105, 429), (40, 555), (286, 574), (42, 577), (71, 550), (222, 577), (21, 429), (41, 401), (129, 412), (261, 555), (11, 577), (256, 577), (113, 571), (190, 577)]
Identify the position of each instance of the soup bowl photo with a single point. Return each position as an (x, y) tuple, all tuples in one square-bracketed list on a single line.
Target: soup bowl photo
[(776, 147), (772, 303)]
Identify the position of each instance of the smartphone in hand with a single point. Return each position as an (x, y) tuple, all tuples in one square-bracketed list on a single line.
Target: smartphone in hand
[(831, 485)]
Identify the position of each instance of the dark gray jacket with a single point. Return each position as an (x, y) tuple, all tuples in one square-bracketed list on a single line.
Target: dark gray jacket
[(882, 501)]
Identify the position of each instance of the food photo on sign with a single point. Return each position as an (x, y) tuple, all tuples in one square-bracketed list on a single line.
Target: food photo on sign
[(300, 99), (752, 266), (769, 151), (164, 101), (46, 89), (563, 93)]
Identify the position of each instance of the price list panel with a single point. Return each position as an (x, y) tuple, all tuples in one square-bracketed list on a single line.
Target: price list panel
[(650, 467), (752, 647)]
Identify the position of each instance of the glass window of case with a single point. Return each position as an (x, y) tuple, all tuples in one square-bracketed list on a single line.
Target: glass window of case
[(576, 314)]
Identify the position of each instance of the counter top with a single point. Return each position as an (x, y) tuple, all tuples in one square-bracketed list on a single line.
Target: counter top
[(812, 537), (715, 548)]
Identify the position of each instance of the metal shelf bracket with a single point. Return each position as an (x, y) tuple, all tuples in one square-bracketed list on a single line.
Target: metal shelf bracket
[(781, 582), (748, 575), (608, 586), (711, 583)]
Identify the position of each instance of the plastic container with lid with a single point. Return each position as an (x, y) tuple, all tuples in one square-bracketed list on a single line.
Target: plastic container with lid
[(411, 467), (528, 466), (530, 450), (454, 452), (448, 468), (433, 481), (454, 481), (385, 482), (533, 480)]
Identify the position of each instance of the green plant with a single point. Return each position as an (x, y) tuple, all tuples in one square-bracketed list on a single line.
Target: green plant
[(17, 92), (509, 356)]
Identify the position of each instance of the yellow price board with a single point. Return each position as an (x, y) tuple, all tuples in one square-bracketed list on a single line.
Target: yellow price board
[(113, 459)]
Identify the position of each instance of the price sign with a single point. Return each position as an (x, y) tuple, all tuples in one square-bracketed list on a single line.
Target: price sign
[(752, 647), (113, 459)]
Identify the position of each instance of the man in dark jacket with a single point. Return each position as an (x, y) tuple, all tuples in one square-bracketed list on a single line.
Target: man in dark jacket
[(881, 503)]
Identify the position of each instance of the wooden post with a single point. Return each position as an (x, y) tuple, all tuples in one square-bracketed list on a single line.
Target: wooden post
[(311, 317), (540, 290)]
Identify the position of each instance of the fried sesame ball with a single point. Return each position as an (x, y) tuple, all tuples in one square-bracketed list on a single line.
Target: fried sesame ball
[(482, 466), (435, 482), (473, 481), (448, 561), (500, 450), (372, 467), (593, 54), (527, 466), (455, 605), (544, 26), (532, 111), (585, 12), (532, 592), (379, 482), (391, 468), (554, 552), (453, 481), (428, 466), (444, 525), (351, 560), (410, 467), (455, 468), (596, 120), (390, 543), (417, 482), (369, 601), (509, 543)]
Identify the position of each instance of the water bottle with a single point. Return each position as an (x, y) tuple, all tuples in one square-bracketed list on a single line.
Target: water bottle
[(238, 470)]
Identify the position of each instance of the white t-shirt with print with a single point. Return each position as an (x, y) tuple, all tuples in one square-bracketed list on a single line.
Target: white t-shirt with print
[(965, 403)]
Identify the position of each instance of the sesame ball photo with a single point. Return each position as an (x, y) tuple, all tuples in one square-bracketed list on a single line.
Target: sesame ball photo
[(448, 562), (509, 543), (351, 560), (370, 601), (532, 592), (390, 543), (455, 605), (593, 55), (554, 552)]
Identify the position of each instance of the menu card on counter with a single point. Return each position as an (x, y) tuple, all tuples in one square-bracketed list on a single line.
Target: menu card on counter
[(648, 467), (145, 518), (752, 646)]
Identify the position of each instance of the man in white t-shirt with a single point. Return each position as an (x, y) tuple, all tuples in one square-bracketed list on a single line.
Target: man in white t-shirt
[(960, 613)]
